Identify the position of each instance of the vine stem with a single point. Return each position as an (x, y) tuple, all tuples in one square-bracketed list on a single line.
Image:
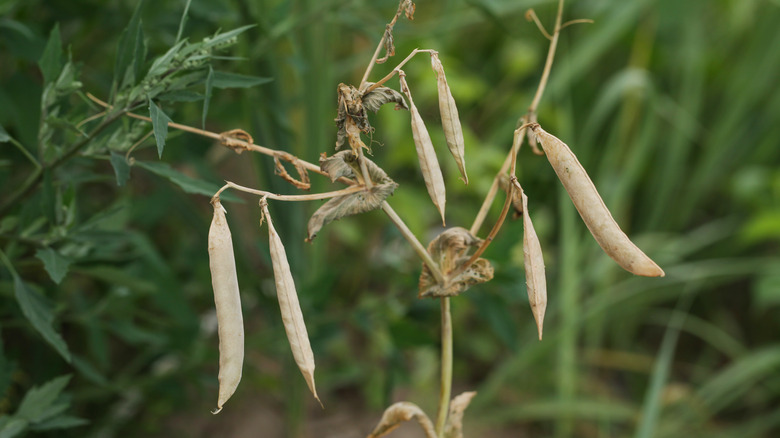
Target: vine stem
[(372, 62), (445, 392), (397, 68), (491, 195)]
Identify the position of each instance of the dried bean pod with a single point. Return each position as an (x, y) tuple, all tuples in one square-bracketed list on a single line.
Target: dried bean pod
[(450, 121), (228, 303), (592, 209), (292, 317), (535, 281)]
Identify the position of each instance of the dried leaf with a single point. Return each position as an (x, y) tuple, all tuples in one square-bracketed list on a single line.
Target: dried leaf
[(350, 109), (227, 300), (449, 250), (345, 164), (533, 260), (458, 405), (292, 317), (353, 136), (236, 139), (450, 120), (426, 155), (409, 7), (397, 414), (379, 96), (592, 209)]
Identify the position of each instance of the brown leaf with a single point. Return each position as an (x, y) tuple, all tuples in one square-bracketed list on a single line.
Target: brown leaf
[(344, 163), (350, 107), (399, 413), (458, 405), (449, 250), (426, 155), (379, 96), (389, 46), (533, 260), (227, 300), (591, 207), (450, 120), (292, 317)]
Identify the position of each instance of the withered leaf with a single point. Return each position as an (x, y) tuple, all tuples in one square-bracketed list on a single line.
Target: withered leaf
[(399, 413), (450, 249), (389, 46), (350, 106), (458, 405), (344, 163), (381, 95)]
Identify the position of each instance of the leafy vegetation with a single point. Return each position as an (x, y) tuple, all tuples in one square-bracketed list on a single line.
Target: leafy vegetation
[(103, 228)]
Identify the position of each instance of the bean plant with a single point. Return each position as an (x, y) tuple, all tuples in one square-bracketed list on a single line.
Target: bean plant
[(451, 263)]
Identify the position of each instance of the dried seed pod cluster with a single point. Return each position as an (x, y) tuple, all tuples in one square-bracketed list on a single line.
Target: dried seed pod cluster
[(230, 320), (591, 207)]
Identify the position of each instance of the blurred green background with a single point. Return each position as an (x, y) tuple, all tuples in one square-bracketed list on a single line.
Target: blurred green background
[(672, 107)]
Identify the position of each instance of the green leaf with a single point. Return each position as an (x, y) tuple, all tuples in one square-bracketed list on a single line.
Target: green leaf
[(59, 422), (159, 125), (183, 21), (221, 38), (38, 311), (41, 403), (121, 168), (181, 96), (11, 426), (53, 58), (54, 263), (130, 46), (207, 98), (223, 79), (4, 137), (188, 184)]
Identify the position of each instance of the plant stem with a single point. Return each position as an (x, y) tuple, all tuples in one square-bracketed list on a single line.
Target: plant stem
[(416, 245), (371, 63), (277, 197), (446, 366), (491, 195)]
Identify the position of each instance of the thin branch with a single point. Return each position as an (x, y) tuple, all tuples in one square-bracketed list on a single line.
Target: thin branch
[(91, 118), (416, 245), (577, 21), (277, 197), (550, 57), (530, 15), (364, 169), (381, 44), (397, 69), (138, 143)]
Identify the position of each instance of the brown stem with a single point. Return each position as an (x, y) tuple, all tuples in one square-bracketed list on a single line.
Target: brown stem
[(412, 239), (397, 69), (309, 197), (379, 46)]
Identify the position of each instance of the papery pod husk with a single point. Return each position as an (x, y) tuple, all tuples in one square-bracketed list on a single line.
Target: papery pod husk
[(230, 322), (449, 250), (399, 413), (292, 317), (458, 405), (533, 260), (592, 209), (450, 121), (426, 155)]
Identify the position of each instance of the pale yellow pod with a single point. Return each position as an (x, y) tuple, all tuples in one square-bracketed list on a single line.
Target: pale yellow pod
[(292, 317), (228, 303), (592, 209), (426, 155), (535, 280), (399, 413), (450, 121)]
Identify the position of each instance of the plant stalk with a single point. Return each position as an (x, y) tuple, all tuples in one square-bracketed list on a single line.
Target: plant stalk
[(446, 366), (416, 245)]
